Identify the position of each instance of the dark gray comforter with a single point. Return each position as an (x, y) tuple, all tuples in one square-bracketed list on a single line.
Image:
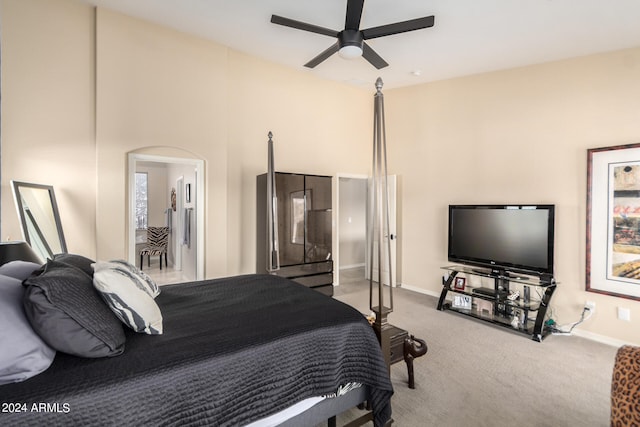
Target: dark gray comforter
[(233, 350)]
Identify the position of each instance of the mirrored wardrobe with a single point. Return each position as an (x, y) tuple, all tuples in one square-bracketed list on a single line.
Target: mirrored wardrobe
[(304, 229)]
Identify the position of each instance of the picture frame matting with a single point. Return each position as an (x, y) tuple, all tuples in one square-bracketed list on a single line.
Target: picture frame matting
[(613, 221)]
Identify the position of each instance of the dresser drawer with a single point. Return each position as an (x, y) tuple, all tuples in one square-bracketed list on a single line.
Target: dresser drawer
[(316, 280), (298, 270)]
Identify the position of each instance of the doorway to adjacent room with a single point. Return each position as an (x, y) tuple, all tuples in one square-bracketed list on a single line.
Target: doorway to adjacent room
[(167, 192), (353, 252)]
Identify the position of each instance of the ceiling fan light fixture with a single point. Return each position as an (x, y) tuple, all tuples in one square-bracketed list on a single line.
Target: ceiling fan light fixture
[(350, 51), (351, 41)]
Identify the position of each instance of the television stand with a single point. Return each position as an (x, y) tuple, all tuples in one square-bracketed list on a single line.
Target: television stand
[(498, 274), (509, 303)]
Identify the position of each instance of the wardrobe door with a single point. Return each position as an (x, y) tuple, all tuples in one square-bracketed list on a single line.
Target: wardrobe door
[(291, 217), (318, 237)]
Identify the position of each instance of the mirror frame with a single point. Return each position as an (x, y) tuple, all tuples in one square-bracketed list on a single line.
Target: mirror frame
[(16, 186)]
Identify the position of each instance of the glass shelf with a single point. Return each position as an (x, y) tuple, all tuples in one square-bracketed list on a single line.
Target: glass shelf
[(531, 305), (523, 314), (511, 277), (504, 321)]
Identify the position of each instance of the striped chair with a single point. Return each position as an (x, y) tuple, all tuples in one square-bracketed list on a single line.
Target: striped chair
[(157, 242)]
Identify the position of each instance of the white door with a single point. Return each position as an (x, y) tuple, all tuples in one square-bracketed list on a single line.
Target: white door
[(389, 239), (177, 233)]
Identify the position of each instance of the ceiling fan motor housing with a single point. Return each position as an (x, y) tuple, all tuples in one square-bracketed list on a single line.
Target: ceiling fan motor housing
[(351, 43), (351, 38)]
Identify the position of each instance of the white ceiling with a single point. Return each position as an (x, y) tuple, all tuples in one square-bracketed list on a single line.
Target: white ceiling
[(469, 36)]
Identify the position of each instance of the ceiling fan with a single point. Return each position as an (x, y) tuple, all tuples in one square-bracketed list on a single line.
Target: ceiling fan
[(351, 41)]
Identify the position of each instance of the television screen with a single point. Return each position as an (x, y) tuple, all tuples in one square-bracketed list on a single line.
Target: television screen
[(518, 238)]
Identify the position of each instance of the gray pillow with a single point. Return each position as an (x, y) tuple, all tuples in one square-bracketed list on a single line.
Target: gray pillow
[(78, 261), (18, 269), (24, 354), (69, 314)]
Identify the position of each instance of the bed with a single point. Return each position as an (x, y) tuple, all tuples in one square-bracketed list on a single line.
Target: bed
[(233, 351)]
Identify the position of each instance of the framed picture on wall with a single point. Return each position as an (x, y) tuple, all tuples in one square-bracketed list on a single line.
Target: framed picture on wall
[(613, 221)]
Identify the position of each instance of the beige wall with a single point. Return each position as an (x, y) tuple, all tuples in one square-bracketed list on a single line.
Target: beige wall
[(515, 136), (48, 110), (157, 88), (80, 91), (145, 88), (319, 127)]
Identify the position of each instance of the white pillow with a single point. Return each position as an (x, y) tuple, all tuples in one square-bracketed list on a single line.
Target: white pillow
[(142, 280), (127, 297)]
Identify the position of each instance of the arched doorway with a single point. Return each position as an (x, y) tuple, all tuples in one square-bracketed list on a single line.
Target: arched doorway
[(168, 179)]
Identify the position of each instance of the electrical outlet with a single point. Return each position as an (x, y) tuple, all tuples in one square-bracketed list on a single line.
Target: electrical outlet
[(591, 305), (624, 314)]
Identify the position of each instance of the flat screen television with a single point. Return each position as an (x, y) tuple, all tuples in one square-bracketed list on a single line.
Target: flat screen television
[(503, 238)]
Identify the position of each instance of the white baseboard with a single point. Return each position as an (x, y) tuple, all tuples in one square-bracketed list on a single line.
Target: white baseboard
[(601, 338), (347, 267), (419, 290)]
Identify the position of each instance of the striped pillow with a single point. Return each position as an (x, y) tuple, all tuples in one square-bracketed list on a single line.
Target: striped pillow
[(128, 296), (142, 280)]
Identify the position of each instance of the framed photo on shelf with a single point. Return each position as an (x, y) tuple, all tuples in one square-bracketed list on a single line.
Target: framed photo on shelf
[(458, 283), (462, 301), (613, 221)]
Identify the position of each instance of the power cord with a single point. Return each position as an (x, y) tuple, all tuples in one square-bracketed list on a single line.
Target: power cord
[(559, 330)]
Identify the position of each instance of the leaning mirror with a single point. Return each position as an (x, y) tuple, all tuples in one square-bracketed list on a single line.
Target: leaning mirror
[(39, 218)]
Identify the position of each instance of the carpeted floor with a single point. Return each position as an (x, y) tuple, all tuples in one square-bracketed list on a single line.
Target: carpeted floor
[(475, 374)]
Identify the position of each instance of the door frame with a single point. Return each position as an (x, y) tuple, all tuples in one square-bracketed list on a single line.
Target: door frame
[(392, 181), (336, 221), (177, 250), (198, 164)]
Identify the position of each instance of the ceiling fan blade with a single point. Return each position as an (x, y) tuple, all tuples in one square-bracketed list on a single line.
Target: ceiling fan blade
[(324, 55), (275, 19), (373, 58), (354, 14), (398, 27)]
